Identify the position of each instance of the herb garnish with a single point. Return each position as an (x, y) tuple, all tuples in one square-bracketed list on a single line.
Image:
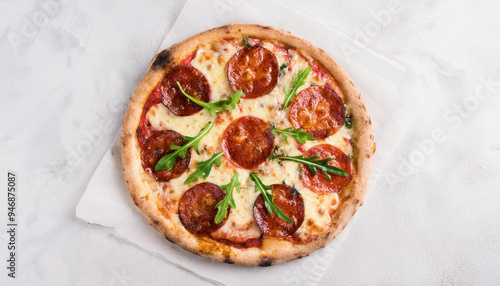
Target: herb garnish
[(282, 68), (204, 167), (313, 163), (247, 42), (297, 134), (167, 162), (228, 199), (297, 82), (348, 121), (268, 198), (218, 106)]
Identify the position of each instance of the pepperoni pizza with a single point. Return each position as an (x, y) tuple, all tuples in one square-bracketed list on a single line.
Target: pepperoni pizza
[(247, 145)]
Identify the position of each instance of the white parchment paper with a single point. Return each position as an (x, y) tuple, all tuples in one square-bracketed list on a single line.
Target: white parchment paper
[(386, 85)]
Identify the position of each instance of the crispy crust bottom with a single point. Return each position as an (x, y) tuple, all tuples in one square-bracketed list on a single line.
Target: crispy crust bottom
[(272, 251)]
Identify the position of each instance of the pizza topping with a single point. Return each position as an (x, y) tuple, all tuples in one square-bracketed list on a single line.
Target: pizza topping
[(188, 59), (297, 82), (314, 163), (320, 183), (318, 110), (247, 142), (292, 204), (228, 200), (144, 130), (268, 198), (197, 208), (348, 121), (220, 105), (157, 146), (205, 167), (254, 70), (167, 161), (194, 83), (297, 134), (246, 40), (282, 68)]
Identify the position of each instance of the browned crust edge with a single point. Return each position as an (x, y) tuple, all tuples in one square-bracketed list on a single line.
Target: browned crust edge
[(273, 251)]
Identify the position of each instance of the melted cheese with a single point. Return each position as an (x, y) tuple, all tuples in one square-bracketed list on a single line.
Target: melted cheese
[(241, 224)]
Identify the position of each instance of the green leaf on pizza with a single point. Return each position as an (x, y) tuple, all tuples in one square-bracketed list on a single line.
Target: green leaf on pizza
[(271, 207), (297, 134), (247, 42), (282, 68), (348, 121), (228, 200), (205, 167), (297, 82), (313, 163), (167, 162), (218, 106)]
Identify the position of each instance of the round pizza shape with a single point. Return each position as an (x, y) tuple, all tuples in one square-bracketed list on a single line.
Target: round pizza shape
[(247, 145)]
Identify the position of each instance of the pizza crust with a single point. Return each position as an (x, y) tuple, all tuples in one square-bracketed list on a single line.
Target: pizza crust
[(272, 251)]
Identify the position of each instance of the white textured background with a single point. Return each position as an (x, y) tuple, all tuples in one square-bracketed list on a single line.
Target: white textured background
[(434, 217)]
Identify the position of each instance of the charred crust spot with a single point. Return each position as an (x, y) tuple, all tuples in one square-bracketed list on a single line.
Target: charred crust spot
[(162, 60), (156, 222), (266, 262), (169, 239), (371, 136), (367, 155), (228, 260), (356, 201), (266, 27)]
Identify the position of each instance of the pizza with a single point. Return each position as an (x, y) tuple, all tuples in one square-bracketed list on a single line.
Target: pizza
[(247, 145)]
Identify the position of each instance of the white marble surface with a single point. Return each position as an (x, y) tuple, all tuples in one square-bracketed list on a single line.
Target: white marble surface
[(433, 218)]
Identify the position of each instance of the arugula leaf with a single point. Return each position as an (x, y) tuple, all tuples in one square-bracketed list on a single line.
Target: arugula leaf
[(314, 163), (268, 198), (218, 106), (297, 82), (204, 167), (247, 42), (282, 68), (167, 162), (348, 121), (277, 151), (297, 134), (229, 104), (228, 199)]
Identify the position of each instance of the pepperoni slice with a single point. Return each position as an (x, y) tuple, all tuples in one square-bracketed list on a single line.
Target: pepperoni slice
[(290, 202), (254, 70), (247, 142), (192, 81), (157, 146), (197, 208), (318, 110), (319, 183)]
